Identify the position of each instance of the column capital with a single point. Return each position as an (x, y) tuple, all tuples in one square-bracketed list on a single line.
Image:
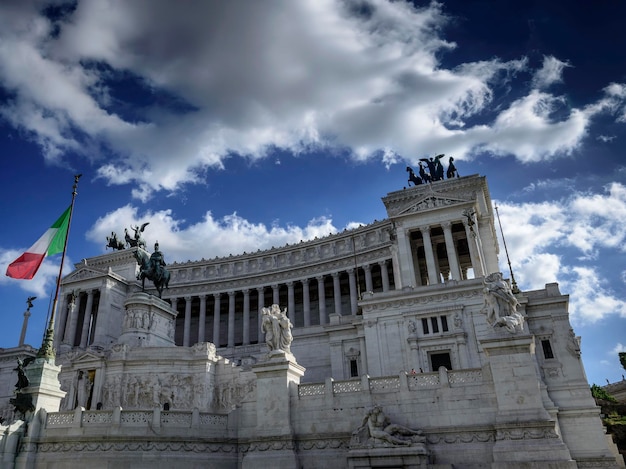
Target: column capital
[(366, 267), (231, 294), (246, 291), (424, 229), (446, 225), (188, 298), (217, 296), (335, 274), (305, 281), (319, 278)]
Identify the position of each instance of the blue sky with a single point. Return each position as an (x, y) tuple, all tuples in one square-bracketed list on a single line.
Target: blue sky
[(236, 126)]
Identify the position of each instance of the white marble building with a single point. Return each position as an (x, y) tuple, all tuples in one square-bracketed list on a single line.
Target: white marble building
[(390, 319)]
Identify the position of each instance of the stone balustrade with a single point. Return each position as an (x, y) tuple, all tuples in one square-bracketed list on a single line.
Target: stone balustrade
[(386, 384), (133, 418)]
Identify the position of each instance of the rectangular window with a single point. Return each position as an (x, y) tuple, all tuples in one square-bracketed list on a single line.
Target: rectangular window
[(547, 349), (444, 323), (425, 326), (354, 368), (433, 322)]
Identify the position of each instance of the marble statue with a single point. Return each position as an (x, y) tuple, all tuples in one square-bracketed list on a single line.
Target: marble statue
[(377, 430), (277, 328), (501, 304)]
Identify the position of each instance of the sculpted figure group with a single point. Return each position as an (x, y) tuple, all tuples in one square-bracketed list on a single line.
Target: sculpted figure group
[(435, 171), (277, 328), (500, 304), (117, 244), (377, 430)]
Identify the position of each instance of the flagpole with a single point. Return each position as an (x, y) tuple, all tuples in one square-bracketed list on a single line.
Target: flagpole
[(47, 347)]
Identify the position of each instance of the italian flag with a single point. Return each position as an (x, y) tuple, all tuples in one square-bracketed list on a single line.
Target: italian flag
[(25, 267)]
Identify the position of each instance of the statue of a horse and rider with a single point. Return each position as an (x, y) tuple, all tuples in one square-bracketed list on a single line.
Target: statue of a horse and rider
[(152, 268)]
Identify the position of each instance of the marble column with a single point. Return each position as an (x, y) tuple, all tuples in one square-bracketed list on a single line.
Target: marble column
[(473, 249), (202, 325), (433, 277), (59, 327), (406, 268), (27, 314), (369, 283), (187, 327), (276, 294), (453, 259), (260, 306), (337, 292), (353, 292), (291, 302), (231, 318), (306, 300), (246, 317), (384, 275), (216, 320), (70, 331), (84, 334), (321, 294), (103, 320)]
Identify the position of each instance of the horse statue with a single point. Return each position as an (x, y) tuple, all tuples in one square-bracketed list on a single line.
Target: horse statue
[(152, 268), (137, 240), (114, 243), (412, 177)]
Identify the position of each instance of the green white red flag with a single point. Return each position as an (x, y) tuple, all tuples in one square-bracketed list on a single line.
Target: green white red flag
[(52, 242)]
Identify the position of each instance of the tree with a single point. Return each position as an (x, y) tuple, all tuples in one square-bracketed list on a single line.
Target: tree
[(598, 393)]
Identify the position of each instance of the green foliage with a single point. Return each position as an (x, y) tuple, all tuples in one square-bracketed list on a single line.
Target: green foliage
[(599, 393), (622, 359)]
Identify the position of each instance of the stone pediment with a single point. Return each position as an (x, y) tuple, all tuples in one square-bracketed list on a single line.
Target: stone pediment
[(87, 273), (429, 202), (86, 357), (76, 357)]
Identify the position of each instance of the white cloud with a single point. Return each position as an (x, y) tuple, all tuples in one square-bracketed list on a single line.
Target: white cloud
[(208, 238), (551, 72), (619, 348), (590, 298), (247, 77), (556, 240)]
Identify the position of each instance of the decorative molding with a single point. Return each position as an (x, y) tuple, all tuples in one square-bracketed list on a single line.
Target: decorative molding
[(137, 446)]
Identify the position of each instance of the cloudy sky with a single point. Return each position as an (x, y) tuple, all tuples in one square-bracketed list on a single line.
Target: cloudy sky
[(239, 125)]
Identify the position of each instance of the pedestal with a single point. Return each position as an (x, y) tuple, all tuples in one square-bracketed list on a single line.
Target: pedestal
[(525, 433), (274, 445), (149, 322), (43, 385)]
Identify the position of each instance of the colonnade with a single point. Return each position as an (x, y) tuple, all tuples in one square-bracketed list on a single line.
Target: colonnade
[(77, 317), (442, 251), (232, 318)]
